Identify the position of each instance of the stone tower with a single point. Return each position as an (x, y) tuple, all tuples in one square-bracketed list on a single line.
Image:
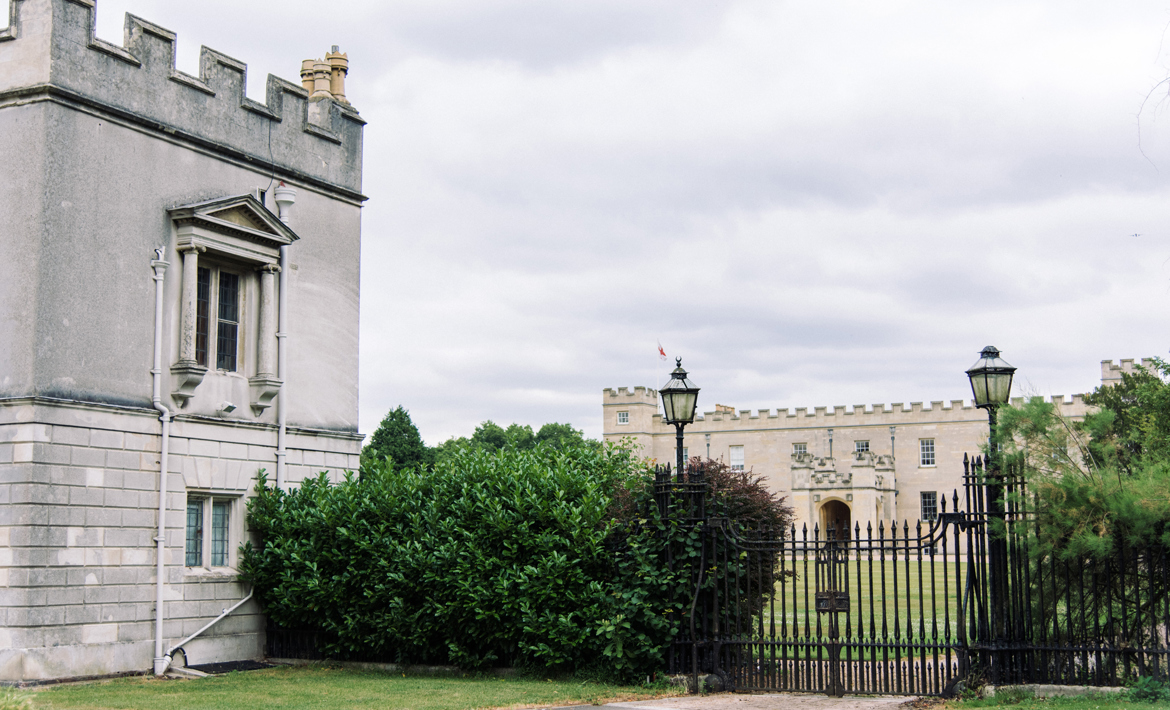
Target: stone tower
[(179, 274)]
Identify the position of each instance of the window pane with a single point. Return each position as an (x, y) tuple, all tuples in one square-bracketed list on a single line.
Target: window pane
[(800, 448), (194, 533), (202, 309), (736, 458), (861, 446), (219, 533), (623, 417), (229, 321), (926, 450), (929, 505)]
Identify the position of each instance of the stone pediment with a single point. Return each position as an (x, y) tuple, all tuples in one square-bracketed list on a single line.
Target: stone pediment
[(241, 215), (239, 226)]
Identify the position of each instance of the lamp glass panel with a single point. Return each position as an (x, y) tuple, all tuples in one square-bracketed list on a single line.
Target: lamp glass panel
[(685, 406), (668, 405), (979, 388), (999, 387)]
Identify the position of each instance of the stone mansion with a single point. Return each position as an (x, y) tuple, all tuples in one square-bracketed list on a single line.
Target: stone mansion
[(860, 464), (178, 310)]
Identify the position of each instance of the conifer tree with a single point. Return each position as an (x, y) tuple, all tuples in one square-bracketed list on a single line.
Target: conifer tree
[(398, 439)]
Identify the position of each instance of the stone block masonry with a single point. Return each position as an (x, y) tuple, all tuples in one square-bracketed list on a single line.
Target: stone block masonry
[(77, 556)]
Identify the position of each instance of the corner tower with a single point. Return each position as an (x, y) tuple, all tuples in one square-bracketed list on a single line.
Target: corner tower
[(120, 175)]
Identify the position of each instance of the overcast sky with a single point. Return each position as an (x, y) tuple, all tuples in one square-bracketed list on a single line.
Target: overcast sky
[(811, 203)]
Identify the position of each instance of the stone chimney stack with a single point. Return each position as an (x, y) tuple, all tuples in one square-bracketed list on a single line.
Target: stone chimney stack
[(326, 79), (339, 67), (307, 74), (320, 81)]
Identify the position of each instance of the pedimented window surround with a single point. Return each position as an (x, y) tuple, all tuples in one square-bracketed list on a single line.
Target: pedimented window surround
[(239, 231)]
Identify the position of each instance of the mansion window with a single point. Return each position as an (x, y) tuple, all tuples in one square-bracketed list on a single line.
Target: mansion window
[(929, 506), (736, 458), (861, 447), (218, 292), (686, 453), (800, 448), (230, 253), (209, 532), (926, 452), (623, 417)]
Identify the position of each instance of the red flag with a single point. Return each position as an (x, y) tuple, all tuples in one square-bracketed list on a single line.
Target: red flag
[(661, 352)]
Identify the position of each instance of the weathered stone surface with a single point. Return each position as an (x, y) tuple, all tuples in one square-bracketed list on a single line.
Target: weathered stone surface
[(97, 144)]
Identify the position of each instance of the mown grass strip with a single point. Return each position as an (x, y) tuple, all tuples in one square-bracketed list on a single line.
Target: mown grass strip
[(326, 688)]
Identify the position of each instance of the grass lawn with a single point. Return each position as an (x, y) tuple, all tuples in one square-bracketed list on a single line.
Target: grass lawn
[(915, 607), (325, 688)]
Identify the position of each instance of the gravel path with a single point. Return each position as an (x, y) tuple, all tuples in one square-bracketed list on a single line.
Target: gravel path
[(786, 701)]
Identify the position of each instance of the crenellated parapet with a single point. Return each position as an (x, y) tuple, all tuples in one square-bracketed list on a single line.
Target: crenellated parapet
[(1111, 374), (865, 470), (625, 395), (312, 140), (880, 414)]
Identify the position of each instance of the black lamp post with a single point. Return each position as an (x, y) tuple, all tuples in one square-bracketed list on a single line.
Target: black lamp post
[(991, 384), (679, 398)]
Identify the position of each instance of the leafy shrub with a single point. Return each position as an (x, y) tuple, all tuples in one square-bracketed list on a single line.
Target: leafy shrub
[(1150, 690), (484, 559)]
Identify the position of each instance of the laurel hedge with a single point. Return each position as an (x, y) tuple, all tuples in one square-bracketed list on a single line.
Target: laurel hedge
[(486, 559)]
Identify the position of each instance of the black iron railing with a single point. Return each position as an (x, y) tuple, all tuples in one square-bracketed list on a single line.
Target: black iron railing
[(914, 609)]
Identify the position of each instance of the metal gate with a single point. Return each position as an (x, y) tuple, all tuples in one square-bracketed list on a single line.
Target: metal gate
[(873, 611)]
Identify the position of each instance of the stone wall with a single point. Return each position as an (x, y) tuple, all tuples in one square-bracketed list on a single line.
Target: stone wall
[(769, 435), (78, 514)]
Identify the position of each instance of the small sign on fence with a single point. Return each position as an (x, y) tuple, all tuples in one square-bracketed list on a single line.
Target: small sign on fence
[(832, 600)]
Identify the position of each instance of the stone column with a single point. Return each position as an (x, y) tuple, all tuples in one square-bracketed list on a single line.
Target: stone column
[(190, 292), (266, 358), (188, 373)]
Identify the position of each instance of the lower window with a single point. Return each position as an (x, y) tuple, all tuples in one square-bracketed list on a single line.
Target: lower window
[(209, 537), (929, 511)]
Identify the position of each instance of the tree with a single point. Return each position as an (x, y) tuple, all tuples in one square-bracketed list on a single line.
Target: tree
[(560, 436), (397, 439), (1132, 427), (1104, 481), (490, 436)]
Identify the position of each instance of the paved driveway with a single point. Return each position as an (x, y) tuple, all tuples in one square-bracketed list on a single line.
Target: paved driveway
[(786, 701)]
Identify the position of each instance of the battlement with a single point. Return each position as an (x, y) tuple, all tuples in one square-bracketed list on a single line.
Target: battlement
[(1111, 374), (314, 140), (623, 396), (837, 415)]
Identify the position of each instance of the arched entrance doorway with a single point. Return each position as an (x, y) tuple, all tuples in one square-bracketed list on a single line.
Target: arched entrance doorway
[(835, 516)]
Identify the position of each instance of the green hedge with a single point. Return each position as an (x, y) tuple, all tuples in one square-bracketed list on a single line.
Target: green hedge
[(486, 559)]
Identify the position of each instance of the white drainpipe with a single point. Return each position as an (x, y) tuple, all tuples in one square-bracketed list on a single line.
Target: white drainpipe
[(160, 270), (285, 197), (171, 651)]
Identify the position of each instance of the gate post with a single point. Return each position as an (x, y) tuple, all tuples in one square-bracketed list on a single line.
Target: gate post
[(832, 600), (997, 554)]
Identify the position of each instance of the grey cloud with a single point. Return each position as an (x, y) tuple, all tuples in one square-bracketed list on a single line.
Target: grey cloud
[(814, 204)]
